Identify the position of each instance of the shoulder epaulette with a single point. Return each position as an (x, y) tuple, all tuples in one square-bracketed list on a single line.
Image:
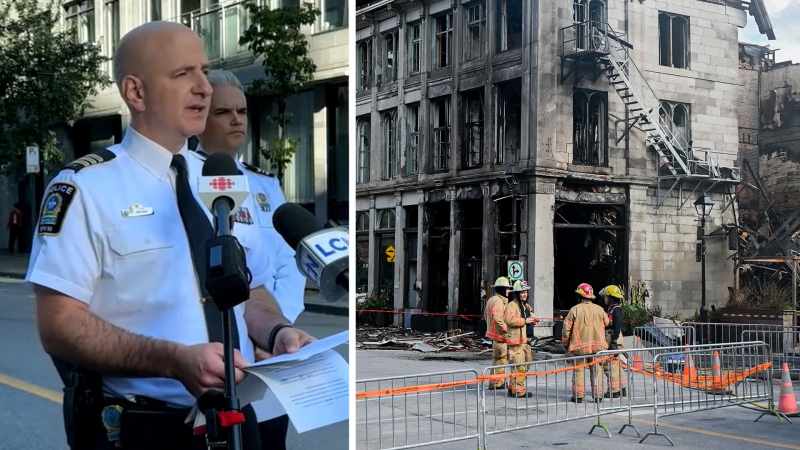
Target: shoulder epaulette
[(257, 170), (203, 155), (98, 157)]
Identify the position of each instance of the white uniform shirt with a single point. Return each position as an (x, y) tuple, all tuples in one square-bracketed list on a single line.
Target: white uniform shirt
[(282, 278), (111, 236)]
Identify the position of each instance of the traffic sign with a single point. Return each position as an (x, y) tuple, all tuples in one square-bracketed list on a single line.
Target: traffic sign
[(32, 159), (515, 270), (389, 254)]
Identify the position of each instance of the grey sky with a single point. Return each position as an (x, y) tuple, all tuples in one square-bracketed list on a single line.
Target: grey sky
[(785, 16)]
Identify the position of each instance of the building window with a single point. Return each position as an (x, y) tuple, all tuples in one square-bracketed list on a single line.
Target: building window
[(362, 246), (472, 144), (673, 40), (675, 120), (363, 131), (476, 32), (414, 48), (508, 120), (334, 14), (389, 145), (155, 10), (588, 15), (412, 150), (112, 25), (364, 62), (386, 220), (443, 41), (388, 58), (440, 125), (509, 28), (589, 128), (80, 17)]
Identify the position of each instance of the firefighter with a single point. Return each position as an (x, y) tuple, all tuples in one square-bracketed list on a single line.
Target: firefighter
[(584, 336), (496, 328), (519, 319), (612, 296)]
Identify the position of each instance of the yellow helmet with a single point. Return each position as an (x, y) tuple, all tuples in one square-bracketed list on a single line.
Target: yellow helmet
[(612, 291), (502, 282)]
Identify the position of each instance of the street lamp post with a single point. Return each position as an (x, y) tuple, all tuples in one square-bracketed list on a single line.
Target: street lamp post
[(512, 173), (703, 206), (43, 79)]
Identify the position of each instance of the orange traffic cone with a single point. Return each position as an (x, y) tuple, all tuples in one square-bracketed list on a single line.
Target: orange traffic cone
[(717, 384), (787, 403), (688, 366), (637, 362)]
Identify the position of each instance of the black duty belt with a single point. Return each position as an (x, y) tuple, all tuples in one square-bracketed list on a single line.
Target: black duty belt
[(147, 424)]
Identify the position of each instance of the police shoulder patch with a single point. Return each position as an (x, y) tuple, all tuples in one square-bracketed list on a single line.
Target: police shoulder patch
[(54, 208), (91, 159), (257, 170)]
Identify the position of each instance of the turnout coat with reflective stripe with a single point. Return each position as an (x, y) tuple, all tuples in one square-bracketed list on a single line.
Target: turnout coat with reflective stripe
[(516, 323), (584, 329), (495, 325)]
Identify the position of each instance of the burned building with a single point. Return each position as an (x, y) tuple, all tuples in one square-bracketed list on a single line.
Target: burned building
[(769, 134), (573, 136)]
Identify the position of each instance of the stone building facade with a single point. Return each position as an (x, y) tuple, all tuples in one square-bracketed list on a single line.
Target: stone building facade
[(467, 109)]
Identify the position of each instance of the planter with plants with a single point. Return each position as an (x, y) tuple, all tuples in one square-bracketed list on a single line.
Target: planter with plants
[(372, 303), (764, 303)]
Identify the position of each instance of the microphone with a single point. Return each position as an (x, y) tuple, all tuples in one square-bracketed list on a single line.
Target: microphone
[(322, 253), (222, 187)]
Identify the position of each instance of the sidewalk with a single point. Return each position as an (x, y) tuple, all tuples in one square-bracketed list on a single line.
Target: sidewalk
[(16, 266)]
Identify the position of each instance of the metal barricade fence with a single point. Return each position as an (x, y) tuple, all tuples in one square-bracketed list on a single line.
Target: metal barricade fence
[(725, 333), (712, 376), (784, 345), (653, 335), (553, 398), (415, 410)]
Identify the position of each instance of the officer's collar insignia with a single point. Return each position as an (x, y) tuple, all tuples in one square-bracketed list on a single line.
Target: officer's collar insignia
[(92, 159), (263, 202), (54, 208), (257, 170), (112, 421), (243, 215), (137, 210)]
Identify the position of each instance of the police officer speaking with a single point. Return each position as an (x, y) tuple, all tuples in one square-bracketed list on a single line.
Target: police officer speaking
[(225, 132), (119, 290)]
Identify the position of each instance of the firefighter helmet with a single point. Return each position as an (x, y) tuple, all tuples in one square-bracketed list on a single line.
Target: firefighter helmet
[(521, 285), (611, 291), (585, 290), (502, 282)]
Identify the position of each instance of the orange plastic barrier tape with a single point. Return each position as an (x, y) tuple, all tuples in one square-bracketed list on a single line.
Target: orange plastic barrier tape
[(438, 386)]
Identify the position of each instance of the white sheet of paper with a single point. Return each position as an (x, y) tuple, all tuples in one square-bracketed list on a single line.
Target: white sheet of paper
[(268, 407), (314, 391), (309, 350)]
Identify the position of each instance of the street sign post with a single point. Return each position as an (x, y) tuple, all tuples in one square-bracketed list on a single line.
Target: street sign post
[(515, 270), (32, 159)]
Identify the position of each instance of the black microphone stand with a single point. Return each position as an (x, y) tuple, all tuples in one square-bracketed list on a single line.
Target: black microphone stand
[(227, 281)]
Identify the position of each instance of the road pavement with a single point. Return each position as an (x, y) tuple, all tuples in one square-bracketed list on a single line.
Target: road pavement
[(453, 412), (30, 390)]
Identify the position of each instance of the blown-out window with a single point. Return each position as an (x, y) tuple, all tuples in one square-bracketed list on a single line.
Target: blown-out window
[(362, 131), (412, 150), (440, 127), (389, 145), (472, 143), (589, 128), (673, 40), (364, 61)]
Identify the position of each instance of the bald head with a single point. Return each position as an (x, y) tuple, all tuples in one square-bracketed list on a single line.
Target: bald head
[(140, 45)]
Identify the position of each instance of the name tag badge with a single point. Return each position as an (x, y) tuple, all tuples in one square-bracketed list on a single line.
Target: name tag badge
[(137, 211)]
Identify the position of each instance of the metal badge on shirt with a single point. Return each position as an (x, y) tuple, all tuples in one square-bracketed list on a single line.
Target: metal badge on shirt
[(137, 210), (263, 202)]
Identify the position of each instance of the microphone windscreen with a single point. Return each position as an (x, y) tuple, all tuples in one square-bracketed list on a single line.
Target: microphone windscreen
[(293, 223), (219, 164)]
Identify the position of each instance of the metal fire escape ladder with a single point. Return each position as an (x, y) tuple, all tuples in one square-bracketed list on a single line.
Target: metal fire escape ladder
[(677, 160)]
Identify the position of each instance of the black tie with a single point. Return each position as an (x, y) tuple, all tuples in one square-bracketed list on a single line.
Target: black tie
[(199, 230)]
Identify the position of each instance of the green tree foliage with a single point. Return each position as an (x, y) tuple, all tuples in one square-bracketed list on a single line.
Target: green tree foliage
[(43, 70), (275, 35)]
